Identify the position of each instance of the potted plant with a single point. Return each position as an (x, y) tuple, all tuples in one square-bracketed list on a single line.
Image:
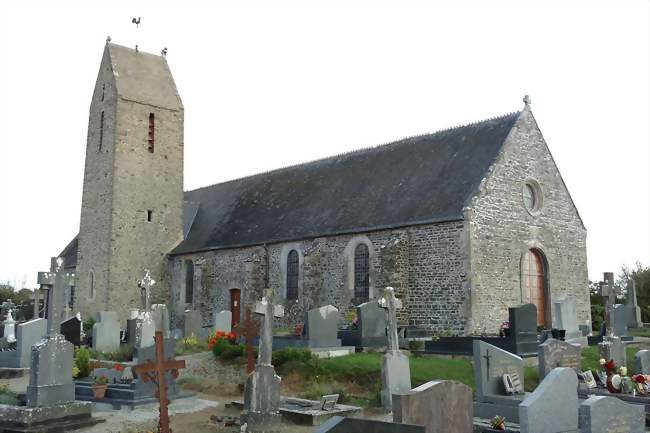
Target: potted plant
[(100, 383)]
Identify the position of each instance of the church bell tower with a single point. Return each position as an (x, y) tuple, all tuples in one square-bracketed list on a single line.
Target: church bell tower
[(132, 206)]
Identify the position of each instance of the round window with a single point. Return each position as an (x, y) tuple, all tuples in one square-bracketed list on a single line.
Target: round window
[(532, 195)]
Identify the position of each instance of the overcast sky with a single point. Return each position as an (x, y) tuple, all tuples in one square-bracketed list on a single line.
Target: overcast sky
[(265, 88)]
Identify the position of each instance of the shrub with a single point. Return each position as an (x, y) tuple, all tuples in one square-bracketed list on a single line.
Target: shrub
[(221, 341), (416, 345), (7, 396), (288, 354), (88, 325), (232, 351), (82, 361)]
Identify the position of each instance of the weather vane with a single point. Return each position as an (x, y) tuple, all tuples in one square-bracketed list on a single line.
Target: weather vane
[(136, 21)]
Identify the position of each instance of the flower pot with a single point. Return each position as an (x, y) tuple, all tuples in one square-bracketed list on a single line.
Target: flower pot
[(99, 390)]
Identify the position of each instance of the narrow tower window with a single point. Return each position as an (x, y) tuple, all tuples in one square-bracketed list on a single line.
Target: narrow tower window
[(149, 215), (151, 131), (189, 282), (101, 131)]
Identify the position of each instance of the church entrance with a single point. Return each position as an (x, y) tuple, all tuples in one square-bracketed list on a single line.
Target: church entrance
[(533, 274), (235, 304)]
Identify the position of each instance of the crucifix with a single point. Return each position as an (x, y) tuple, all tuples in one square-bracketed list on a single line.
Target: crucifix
[(389, 302), (268, 310), (55, 282), (487, 362), (145, 285), (248, 330), (609, 292), (154, 371)]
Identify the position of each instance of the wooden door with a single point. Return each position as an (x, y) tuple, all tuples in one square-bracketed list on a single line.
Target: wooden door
[(235, 306), (534, 283)]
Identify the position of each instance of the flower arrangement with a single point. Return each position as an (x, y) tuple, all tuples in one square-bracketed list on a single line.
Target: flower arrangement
[(498, 423), (504, 329)]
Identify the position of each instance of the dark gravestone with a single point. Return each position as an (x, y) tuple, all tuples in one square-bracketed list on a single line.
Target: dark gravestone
[(71, 330), (523, 328)]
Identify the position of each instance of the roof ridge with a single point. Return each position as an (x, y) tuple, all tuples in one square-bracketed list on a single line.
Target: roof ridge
[(359, 150)]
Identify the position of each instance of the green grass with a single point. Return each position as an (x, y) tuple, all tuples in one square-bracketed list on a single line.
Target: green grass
[(590, 357), (640, 332)]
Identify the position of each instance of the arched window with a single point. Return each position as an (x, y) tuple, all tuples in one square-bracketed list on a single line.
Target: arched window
[(361, 272), (189, 282), (292, 274), (91, 284), (534, 283)]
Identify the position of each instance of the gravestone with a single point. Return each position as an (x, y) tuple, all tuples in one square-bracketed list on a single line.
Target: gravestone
[(440, 406), (566, 317), (557, 353), (395, 367), (614, 349), (192, 325), (633, 304), (71, 329), (141, 330), (553, 406), (321, 327), (371, 320), (222, 321), (106, 332), (642, 362), (262, 390), (160, 316), (624, 317), (27, 334), (601, 414), (50, 378)]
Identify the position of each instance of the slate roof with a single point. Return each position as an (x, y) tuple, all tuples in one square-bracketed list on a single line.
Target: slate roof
[(423, 179), (143, 77), (69, 253)]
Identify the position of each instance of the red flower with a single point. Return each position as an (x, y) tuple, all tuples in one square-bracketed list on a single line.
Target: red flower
[(639, 378), (610, 366), (119, 367)]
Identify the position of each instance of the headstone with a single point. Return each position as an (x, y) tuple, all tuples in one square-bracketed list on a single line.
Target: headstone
[(523, 328), (642, 362), (106, 332), (601, 414), (222, 321), (490, 364), (633, 304), (262, 391), (566, 317), (145, 329), (28, 334), (50, 378), (192, 324), (395, 367), (614, 349), (160, 316), (440, 406), (553, 406), (372, 320), (321, 327), (71, 329), (624, 317), (557, 353)]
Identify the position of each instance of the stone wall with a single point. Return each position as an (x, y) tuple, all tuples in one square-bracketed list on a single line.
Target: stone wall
[(423, 263), (502, 230)]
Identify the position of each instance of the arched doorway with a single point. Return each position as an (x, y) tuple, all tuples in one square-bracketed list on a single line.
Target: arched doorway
[(533, 283)]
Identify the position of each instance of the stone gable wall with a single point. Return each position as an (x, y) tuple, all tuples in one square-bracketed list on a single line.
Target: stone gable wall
[(502, 230), (431, 287)]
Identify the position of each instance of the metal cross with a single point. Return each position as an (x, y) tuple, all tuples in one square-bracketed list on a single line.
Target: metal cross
[(487, 362), (249, 330), (154, 371)]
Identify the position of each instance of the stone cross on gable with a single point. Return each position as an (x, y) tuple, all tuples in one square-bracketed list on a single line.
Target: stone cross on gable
[(391, 304), (56, 282), (268, 310), (145, 285)]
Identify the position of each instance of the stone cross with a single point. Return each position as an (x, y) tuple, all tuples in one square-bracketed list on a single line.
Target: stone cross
[(7, 306), (145, 285), (56, 283), (268, 310), (248, 330), (609, 292), (391, 304), (154, 371)]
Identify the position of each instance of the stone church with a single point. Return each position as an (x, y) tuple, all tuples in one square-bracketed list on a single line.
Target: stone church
[(463, 223)]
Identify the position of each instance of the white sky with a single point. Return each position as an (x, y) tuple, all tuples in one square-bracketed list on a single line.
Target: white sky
[(265, 88)]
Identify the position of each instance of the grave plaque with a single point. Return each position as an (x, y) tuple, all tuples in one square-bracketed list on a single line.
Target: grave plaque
[(329, 401), (490, 364), (642, 362), (601, 414), (553, 406), (440, 406), (557, 353)]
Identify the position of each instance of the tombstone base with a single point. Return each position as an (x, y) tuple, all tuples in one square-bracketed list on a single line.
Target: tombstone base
[(506, 405), (46, 394), (257, 422), (396, 376), (46, 419)]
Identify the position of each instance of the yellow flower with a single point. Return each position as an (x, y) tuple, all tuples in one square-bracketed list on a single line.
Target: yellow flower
[(602, 361), (623, 371), (75, 371)]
